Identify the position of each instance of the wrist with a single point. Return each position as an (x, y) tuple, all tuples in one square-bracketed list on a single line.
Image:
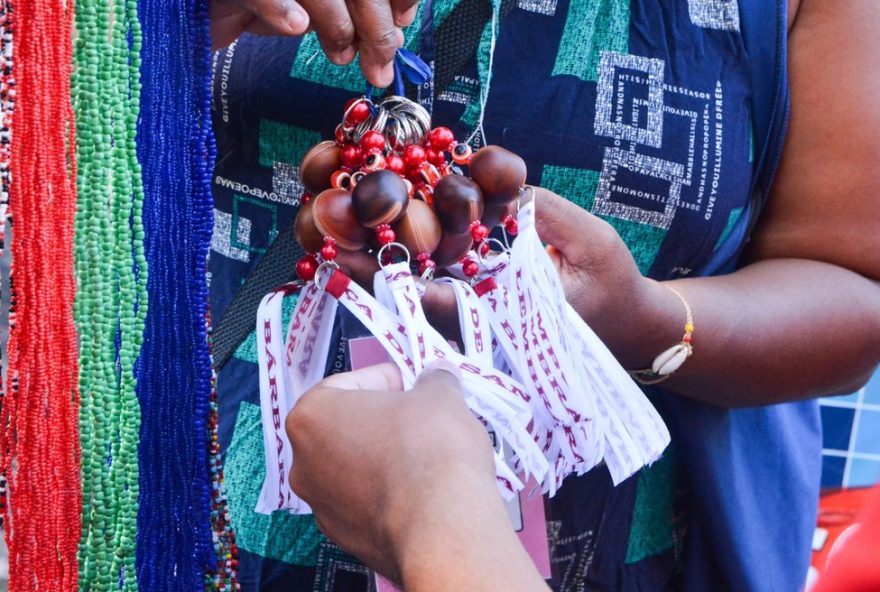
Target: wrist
[(456, 535), (657, 322)]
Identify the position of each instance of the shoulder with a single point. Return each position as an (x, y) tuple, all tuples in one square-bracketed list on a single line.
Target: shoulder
[(825, 202)]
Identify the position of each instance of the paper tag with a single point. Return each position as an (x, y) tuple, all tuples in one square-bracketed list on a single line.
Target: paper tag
[(526, 511)]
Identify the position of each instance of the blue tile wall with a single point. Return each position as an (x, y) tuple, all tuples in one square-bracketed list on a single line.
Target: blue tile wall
[(851, 437)]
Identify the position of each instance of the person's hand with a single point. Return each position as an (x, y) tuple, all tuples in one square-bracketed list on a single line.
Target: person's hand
[(344, 27), (634, 316), (406, 480)]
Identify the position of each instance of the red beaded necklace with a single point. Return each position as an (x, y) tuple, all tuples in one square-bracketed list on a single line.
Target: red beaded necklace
[(39, 450)]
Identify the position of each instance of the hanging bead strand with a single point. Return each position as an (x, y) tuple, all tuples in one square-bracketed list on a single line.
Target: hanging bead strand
[(39, 451), (174, 546), (111, 303), (7, 103)]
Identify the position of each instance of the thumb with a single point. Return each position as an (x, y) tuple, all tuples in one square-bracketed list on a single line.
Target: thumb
[(440, 377), (563, 224)]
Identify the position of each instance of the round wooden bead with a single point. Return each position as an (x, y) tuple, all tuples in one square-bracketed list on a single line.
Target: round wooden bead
[(451, 248), (379, 198), (418, 230), (493, 214), (307, 234), (457, 201), (334, 217), (500, 173), (318, 165)]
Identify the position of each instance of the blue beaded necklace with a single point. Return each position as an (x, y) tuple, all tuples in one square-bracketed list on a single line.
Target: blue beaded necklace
[(174, 545)]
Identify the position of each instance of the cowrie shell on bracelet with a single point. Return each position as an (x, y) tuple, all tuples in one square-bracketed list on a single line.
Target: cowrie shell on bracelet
[(671, 360)]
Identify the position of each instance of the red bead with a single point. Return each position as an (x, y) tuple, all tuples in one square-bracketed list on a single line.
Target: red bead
[(351, 156), (484, 249), (413, 156), (510, 225), (385, 234), (306, 268), (478, 231), (374, 162), (425, 262), (428, 173), (470, 268), (349, 103), (461, 153), (395, 164), (372, 141), (435, 157), (340, 135), (341, 180), (358, 113), (306, 196), (328, 251), (440, 138), (687, 338)]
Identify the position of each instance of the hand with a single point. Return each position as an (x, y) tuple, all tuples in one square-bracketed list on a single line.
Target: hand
[(405, 481), (371, 27), (635, 317)]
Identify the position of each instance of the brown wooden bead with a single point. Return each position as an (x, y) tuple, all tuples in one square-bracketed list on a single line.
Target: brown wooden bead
[(379, 198), (457, 201), (500, 173), (451, 248), (418, 230), (334, 217), (493, 214), (318, 165), (307, 234)]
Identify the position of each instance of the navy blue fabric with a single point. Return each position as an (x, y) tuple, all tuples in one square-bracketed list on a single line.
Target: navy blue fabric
[(748, 485)]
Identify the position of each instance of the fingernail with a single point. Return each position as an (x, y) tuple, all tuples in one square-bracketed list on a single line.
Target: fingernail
[(297, 19), (385, 76), (343, 57)]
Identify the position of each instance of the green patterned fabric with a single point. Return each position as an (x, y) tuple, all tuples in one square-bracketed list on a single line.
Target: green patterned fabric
[(593, 26), (283, 536), (280, 142), (247, 351), (579, 186)]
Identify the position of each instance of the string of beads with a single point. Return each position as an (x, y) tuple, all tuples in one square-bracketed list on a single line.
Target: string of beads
[(174, 542), (7, 104), (39, 443), (111, 302)]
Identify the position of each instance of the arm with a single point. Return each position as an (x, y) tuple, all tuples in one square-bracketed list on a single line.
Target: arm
[(418, 505), (802, 318)]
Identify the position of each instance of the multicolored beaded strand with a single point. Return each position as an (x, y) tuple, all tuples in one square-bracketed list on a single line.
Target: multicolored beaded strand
[(111, 304), (224, 576), (174, 543), (39, 443)]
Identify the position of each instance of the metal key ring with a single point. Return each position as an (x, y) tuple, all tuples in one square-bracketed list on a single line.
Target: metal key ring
[(387, 246), (324, 265), (482, 258)]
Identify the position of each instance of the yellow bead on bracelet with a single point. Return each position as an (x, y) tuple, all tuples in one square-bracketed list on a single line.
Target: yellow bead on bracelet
[(672, 359)]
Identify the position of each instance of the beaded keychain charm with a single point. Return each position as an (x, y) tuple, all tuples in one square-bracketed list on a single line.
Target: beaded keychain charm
[(390, 181)]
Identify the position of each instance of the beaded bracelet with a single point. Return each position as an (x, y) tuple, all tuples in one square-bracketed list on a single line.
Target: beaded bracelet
[(672, 359)]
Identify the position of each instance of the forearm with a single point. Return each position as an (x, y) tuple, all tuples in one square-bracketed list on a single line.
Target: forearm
[(774, 331), (460, 538)]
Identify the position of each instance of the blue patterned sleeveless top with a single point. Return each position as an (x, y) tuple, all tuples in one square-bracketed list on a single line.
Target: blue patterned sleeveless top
[(637, 110)]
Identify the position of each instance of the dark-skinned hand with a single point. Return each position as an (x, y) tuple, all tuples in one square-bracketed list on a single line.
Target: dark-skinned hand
[(345, 28)]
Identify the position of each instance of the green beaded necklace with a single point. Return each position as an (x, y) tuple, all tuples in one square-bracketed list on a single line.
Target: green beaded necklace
[(111, 301)]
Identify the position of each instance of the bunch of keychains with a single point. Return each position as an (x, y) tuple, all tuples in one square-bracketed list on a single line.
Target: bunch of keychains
[(532, 370)]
